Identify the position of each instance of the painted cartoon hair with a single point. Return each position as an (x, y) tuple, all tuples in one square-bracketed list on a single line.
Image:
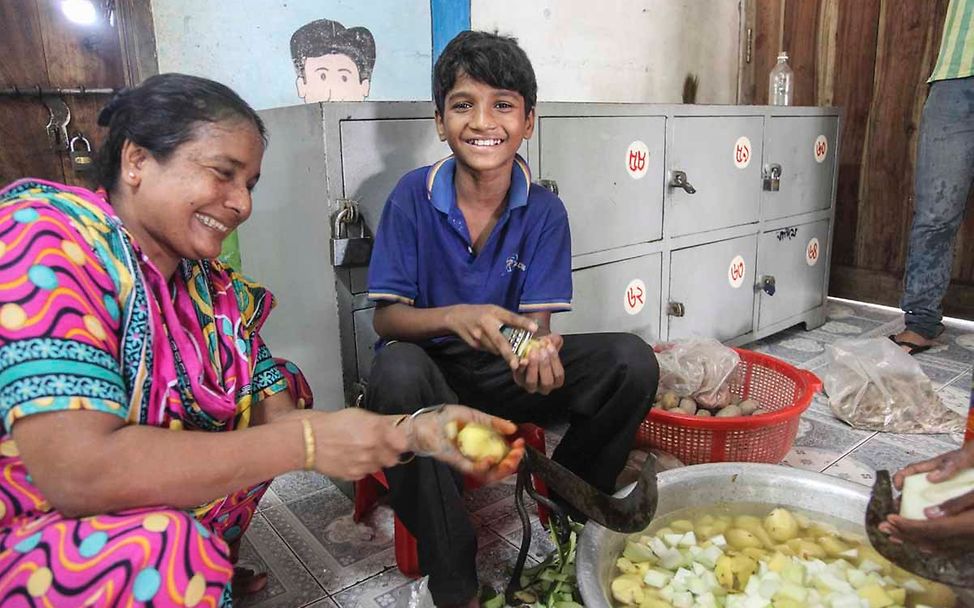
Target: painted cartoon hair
[(161, 114), (492, 59), (327, 37)]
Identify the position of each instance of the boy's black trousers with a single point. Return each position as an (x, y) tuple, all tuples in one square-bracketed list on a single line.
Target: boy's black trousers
[(610, 380)]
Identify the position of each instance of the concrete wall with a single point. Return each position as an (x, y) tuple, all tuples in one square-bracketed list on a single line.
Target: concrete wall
[(246, 45), (636, 51)]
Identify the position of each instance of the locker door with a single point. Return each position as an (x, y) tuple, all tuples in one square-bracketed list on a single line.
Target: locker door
[(721, 157), (804, 147), (609, 172), (620, 296), (375, 155), (796, 258), (713, 284)]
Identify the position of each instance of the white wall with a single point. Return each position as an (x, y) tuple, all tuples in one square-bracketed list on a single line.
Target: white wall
[(634, 51), (246, 45)]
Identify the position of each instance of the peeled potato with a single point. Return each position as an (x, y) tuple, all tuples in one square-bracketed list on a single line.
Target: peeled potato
[(627, 588), (740, 538), (781, 525), (478, 442)]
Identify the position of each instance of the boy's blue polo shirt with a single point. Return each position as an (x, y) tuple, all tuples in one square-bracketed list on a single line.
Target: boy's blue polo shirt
[(423, 255)]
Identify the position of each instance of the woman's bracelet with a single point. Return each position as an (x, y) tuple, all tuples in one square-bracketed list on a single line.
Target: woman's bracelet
[(407, 457), (309, 445)]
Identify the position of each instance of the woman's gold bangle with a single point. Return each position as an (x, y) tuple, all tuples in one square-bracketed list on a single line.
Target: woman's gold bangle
[(309, 445)]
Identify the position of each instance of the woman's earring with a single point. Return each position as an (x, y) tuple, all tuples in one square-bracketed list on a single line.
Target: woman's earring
[(132, 174)]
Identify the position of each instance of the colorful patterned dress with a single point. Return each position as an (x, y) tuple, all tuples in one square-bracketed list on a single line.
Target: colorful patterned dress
[(88, 323)]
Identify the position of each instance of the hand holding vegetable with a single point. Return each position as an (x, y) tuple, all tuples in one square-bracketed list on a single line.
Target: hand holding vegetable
[(540, 370), (435, 434), (944, 495)]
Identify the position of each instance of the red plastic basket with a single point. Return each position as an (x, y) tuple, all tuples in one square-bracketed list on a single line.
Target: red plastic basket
[(782, 388)]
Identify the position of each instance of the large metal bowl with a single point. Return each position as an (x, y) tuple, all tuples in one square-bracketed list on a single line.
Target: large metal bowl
[(708, 484)]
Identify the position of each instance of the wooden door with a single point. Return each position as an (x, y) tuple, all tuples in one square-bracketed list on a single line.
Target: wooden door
[(42, 48)]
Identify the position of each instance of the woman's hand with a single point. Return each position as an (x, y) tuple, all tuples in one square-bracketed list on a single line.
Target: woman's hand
[(479, 326), (939, 468), (427, 435), (353, 443), (950, 525)]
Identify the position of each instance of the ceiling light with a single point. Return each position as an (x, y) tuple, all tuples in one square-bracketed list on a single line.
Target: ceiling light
[(82, 12)]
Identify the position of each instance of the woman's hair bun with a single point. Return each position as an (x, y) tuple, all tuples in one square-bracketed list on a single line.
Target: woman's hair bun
[(106, 113)]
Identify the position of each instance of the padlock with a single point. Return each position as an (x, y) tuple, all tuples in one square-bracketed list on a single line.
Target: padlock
[(549, 185), (348, 251), (772, 177), (81, 160)]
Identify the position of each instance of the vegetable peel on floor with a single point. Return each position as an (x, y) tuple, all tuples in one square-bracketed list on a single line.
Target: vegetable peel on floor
[(551, 583)]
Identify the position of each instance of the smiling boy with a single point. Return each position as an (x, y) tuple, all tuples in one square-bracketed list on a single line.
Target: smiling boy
[(463, 247)]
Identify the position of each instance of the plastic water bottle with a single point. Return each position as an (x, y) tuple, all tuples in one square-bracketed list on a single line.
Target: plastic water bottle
[(780, 84)]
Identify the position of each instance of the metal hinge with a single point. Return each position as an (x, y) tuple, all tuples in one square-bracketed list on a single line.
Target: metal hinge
[(749, 45)]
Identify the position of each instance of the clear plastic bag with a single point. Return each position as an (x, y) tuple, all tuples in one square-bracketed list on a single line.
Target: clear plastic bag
[(874, 385), (697, 368), (418, 595)]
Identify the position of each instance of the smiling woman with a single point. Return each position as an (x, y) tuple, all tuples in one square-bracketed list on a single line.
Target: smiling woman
[(117, 328)]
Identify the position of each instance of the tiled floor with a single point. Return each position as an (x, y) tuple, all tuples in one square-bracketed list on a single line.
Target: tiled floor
[(316, 556)]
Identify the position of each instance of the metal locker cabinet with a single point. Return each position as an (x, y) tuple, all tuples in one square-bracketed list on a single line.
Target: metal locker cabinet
[(620, 296), (375, 156), (712, 289), (797, 259), (804, 147), (721, 158), (610, 205), (365, 338)]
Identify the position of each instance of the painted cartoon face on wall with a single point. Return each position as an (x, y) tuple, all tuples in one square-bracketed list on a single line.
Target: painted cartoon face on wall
[(333, 77), (332, 62)]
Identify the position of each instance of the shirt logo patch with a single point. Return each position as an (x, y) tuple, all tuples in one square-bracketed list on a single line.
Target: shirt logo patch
[(513, 264)]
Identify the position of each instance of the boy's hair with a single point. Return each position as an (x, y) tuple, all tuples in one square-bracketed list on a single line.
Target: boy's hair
[(492, 59), (326, 37)]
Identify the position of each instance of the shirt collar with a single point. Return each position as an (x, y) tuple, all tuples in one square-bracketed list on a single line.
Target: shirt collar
[(440, 190)]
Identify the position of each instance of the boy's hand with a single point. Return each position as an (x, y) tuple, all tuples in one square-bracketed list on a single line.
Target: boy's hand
[(479, 325), (541, 371), (950, 526)]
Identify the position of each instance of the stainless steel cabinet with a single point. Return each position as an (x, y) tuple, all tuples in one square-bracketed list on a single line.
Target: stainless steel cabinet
[(619, 296), (721, 159), (647, 257), (794, 260), (804, 148), (609, 173), (712, 289)]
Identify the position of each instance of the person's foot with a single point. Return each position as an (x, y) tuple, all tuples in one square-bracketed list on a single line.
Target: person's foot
[(247, 582), (911, 342)]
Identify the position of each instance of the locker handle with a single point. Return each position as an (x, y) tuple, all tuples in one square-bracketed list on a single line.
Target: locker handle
[(676, 309), (678, 179), (767, 284)]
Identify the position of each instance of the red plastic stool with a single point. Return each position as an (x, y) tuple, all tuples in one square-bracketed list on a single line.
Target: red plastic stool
[(367, 492)]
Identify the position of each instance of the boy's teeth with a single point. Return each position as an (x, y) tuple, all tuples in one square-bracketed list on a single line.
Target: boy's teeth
[(485, 142), (212, 223)]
